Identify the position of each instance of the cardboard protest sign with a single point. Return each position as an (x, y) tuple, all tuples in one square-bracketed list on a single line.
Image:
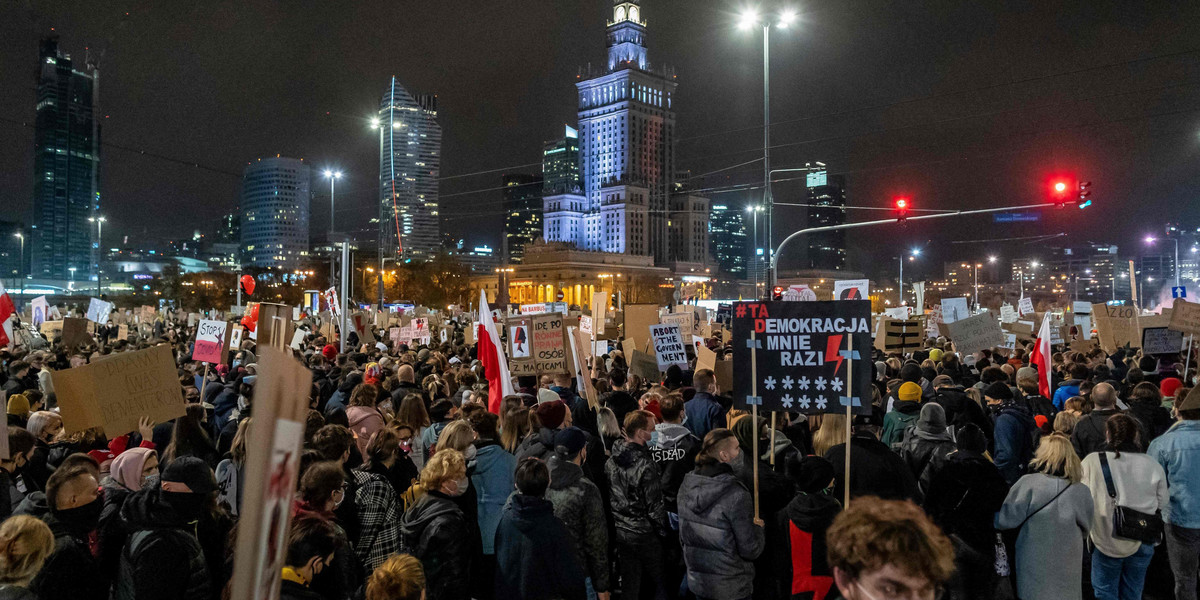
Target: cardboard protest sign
[(853, 289), (668, 346), (705, 358), (1008, 314), (360, 322), (933, 320), (298, 339), (1185, 316), (123, 331), (520, 347), (272, 465), (585, 325), (549, 347), (599, 309), (210, 342), (1115, 326), (1161, 340), (954, 309), (1081, 308), (980, 332), (51, 329), (801, 356), (682, 320), (583, 367), (117, 391), (1010, 341), (644, 366), (235, 338), (74, 332), (638, 319), (1025, 306), (901, 336), (724, 372), (98, 310)]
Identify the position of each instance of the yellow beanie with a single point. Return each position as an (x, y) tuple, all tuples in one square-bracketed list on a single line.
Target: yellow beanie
[(18, 405), (909, 392)]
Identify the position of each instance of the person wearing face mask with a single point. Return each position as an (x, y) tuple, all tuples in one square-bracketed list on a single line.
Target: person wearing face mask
[(133, 470), (323, 488), (579, 505), (20, 448), (492, 480), (376, 500), (717, 528), (311, 545), (45, 427), (638, 509), (798, 533), (887, 550), (71, 572), (435, 531), (163, 556)]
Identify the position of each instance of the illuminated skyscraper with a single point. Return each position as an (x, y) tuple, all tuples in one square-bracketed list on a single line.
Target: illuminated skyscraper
[(522, 214), (827, 195), (66, 166), (560, 164), (727, 239), (276, 194), (409, 168)]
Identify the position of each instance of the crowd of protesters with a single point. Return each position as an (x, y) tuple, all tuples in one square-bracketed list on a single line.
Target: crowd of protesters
[(965, 482)]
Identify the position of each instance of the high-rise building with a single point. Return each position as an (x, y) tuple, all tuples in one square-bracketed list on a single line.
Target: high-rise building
[(827, 200), (14, 250), (66, 166), (276, 195), (409, 168), (560, 164), (228, 228), (522, 214), (727, 240), (627, 159)]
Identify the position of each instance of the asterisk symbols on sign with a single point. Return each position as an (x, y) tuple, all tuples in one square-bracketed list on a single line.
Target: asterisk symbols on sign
[(769, 383), (805, 402), (821, 383), (787, 382), (787, 400), (837, 385), (821, 401), (803, 383)]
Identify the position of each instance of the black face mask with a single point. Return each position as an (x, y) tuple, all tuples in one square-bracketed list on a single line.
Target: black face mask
[(189, 506), (82, 518)]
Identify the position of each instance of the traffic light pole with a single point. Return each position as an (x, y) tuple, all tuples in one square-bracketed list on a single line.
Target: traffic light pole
[(774, 258)]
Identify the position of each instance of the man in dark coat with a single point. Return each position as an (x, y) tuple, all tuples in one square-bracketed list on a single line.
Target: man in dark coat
[(1014, 430), (534, 557), (162, 555), (71, 572), (796, 541), (1089, 434), (638, 509), (704, 413), (578, 504), (1027, 383), (874, 469), (620, 401), (960, 408)]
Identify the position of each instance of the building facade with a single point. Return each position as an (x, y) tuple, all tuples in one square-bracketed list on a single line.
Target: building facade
[(727, 240), (275, 200), (827, 200), (560, 164), (66, 166), (410, 150), (522, 214)]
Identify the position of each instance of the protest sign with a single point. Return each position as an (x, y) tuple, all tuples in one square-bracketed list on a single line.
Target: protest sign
[(1025, 306), (123, 331), (4, 452), (272, 464), (1010, 341), (1008, 314), (146, 314), (117, 391), (801, 357), (900, 336), (933, 321), (1083, 323), (533, 309), (638, 319), (1081, 308), (394, 336), (682, 320), (298, 339), (98, 310), (1161, 340), (980, 332), (51, 329), (599, 309), (583, 367), (954, 309), (210, 341), (644, 366), (74, 332), (331, 301), (585, 325), (40, 309), (853, 289), (724, 372), (799, 293), (518, 339), (361, 323), (668, 346), (898, 313), (192, 319), (549, 346), (1115, 326), (705, 358), (1185, 316), (235, 338)]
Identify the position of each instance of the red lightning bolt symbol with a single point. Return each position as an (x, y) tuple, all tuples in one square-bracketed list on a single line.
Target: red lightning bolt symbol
[(833, 351)]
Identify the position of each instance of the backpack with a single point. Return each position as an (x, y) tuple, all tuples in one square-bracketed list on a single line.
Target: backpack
[(198, 585)]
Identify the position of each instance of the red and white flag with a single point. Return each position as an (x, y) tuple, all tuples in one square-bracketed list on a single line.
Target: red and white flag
[(491, 353), (7, 310), (1041, 357)]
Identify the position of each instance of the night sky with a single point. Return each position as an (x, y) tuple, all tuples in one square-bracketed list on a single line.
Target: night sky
[(959, 105)]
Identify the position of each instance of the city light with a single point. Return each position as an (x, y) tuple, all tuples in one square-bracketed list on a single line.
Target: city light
[(748, 19), (1060, 187), (787, 18), (992, 259), (1151, 239), (334, 174)]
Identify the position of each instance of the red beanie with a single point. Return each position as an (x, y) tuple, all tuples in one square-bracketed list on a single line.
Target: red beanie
[(1169, 386), (329, 352), (551, 414)]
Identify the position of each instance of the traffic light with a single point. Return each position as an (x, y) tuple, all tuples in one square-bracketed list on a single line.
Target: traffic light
[(1060, 191), (1085, 191), (902, 205)]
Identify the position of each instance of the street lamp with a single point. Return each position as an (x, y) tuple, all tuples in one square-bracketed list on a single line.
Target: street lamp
[(332, 176), (99, 221), (912, 257), (1150, 241), (754, 209), (377, 123), (749, 18), (21, 265)]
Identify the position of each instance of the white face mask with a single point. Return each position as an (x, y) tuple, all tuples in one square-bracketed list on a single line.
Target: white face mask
[(460, 486)]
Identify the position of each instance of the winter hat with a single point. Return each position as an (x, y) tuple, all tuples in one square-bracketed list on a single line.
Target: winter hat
[(127, 468), (880, 369), (1169, 386), (998, 391), (910, 372), (816, 474), (1041, 421), (192, 472), (970, 438), (1192, 401), (329, 352), (909, 392), (18, 405), (372, 374), (932, 419), (1027, 373), (545, 395), (571, 438), (222, 370), (935, 354), (552, 414)]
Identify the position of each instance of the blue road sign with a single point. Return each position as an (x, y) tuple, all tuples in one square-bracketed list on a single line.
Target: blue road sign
[(1179, 292)]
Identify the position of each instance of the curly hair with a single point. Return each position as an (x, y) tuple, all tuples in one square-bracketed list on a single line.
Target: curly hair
[(446, 465), (364, 394), (872, 533), (400, 578)]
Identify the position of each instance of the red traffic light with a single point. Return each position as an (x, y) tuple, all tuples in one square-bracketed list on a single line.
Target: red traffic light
[(901, 203), (1060, 186)]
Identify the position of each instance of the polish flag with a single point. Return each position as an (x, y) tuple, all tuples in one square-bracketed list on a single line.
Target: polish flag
[(1041, 357), (7, 310), (491, 353)]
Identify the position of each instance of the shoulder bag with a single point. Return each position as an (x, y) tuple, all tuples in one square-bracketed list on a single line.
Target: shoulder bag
[(1130, 524)]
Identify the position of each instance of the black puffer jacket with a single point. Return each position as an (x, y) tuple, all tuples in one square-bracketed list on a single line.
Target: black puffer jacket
[(675, 454), (435, 531), (533, 553), (922, 447), (716, 528), (162, 557), (69, 572), (577, 503), (637, 499)]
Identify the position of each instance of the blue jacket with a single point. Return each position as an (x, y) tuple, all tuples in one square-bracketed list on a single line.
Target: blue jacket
[(704, 414), (1014, 435), (1064, 392), (493, 483), (1178, 451)]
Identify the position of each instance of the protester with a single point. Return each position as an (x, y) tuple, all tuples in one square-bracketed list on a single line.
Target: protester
[(926, 440), (20, 448), (377, 500), (580, 507), (412, 414), (720, 535), (25, 544), (1014, 431), (797, 543), (638, 509), (400, 578), (703, 411), (435, 531), (492, 479), (1052, 514), (231, 471), (875, 470), (534, 558), (1178, 452), (552, 416), (311, 545), (905, 412), (71, 572), (322, 489), (1089, 435), (365, 419), (45, 427)]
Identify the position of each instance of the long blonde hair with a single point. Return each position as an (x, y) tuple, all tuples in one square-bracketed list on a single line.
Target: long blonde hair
[(831, 433), (1056, 457), (25, 543)]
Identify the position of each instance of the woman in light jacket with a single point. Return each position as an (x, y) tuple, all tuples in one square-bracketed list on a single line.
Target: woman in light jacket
[(1053, 513), (1119, 564)]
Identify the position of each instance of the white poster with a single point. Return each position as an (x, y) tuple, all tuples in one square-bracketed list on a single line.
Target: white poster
[(668, 346), (519, 336), (532, 309), (898, 313), (1025, 306), (1008, 314), (585, 325), (98, 311), (954, 309), (799, 293), (853, 289), (40, 309)]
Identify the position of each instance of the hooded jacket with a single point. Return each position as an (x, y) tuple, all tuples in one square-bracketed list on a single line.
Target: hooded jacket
[(636, 486), (1015, 432), (963, 496), (162, 557), (961, 409), (717, 531), (364, 422), (578, 504), (674, 452), (797, 546), (69, 572), (538, 445), (533, 554), (895, 422), (493, 483), (435, 531)]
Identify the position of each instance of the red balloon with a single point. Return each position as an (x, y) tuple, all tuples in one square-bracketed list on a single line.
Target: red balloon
[(248, 284)]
